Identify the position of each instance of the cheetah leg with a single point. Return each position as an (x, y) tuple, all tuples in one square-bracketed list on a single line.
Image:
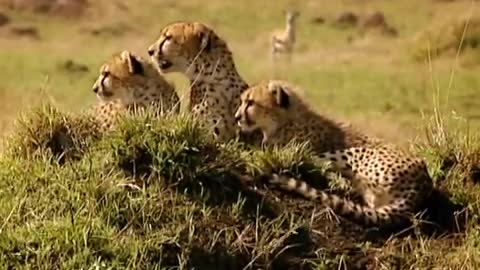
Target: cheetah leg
[(220, 128)]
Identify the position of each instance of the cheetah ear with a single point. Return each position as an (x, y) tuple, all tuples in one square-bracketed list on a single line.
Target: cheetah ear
[(281, 96), (205, 41), (134, 66)]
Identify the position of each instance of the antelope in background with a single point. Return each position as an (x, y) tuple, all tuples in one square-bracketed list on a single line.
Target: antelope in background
[(284, 40)]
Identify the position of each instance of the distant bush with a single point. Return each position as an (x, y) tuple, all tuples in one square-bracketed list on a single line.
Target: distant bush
[(448, 37)]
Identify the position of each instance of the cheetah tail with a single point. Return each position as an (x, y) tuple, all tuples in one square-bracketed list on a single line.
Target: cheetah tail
[(388, 215)]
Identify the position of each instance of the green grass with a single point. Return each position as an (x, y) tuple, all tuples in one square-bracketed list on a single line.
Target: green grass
[(452, 36), (339, 76), (149, 189), (161, 194)]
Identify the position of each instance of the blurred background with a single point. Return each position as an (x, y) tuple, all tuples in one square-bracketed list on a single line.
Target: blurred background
[(384, 65)]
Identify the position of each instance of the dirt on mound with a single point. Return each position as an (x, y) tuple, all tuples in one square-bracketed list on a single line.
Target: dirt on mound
[(341, 242)]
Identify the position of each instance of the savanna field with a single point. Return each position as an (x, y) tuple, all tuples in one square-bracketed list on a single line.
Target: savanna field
[(161, 194)]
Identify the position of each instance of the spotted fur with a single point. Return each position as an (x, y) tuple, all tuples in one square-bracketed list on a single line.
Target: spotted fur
[(392, 182), (195, 50), (126, 82)]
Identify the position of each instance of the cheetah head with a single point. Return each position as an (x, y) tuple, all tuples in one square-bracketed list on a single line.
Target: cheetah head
[(263, 107), (179, 45), (119, 76)]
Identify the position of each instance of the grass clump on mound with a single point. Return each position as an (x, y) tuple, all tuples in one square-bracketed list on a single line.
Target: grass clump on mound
[(448, 37), (47, 132), (177, 150), (453, 154), (173, 150)]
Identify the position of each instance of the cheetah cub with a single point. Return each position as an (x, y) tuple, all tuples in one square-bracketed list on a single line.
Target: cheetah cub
[(127, 82), (392, 183), (283, 41)]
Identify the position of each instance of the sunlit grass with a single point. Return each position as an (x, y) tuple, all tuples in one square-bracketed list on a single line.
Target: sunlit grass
[(341, 77), (162, 193)]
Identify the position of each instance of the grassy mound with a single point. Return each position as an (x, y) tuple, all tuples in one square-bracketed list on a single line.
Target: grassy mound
[(160, 194)]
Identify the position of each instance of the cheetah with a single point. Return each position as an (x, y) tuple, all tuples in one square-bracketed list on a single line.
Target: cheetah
[(127, 82), (196, 51), (283, 41), (392, 183)]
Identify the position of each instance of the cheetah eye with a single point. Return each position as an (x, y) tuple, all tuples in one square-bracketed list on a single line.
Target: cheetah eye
[(168, 37), (250, 102), (105, 73)]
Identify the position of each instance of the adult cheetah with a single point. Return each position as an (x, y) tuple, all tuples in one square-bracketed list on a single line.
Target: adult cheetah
[(195, 50), (392, 183), (126, 82)]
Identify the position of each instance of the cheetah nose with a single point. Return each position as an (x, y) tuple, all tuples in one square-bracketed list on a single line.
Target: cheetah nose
[(150, 52), (95, 90), (237, 118)]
